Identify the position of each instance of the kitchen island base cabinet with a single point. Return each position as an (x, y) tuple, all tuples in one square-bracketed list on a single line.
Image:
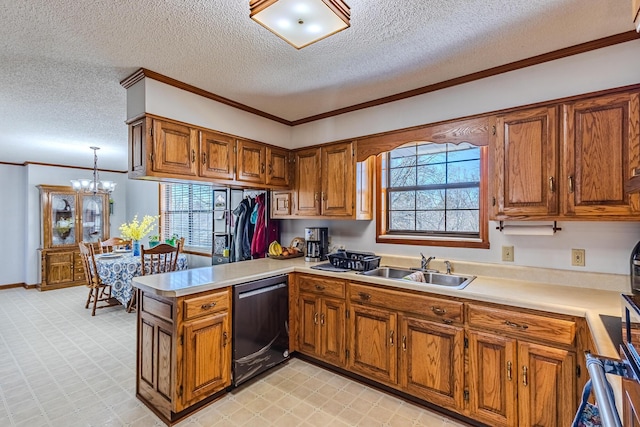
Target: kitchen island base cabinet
[(184, 351)]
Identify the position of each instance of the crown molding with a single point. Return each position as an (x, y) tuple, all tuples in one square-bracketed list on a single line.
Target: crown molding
[(512, 66)]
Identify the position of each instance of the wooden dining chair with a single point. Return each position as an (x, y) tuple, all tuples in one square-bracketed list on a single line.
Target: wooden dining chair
[(98, 290), (108, 245), (162, 258)]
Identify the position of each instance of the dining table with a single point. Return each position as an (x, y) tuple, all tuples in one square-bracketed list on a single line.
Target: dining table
[(119, 268)]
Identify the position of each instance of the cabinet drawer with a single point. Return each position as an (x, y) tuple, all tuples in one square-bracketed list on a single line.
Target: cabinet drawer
[(330, 287), (523, 324), (206, 304), (427, 306), (60, 258)]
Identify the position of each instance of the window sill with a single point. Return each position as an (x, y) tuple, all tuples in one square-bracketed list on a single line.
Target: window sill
[(455, 242)]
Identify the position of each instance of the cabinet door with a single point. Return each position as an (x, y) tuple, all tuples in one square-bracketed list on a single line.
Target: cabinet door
[(174, 148), (217, 155), (525, 164), (251, 162), (373, 351), (332, 331), (492, 379), (138, 147), (280, 203), (207, 357), (307, 176), (94, 218), (432, 362), (309, 317), (602, 149), (338, 179), (277, 166), (546, 391), (59, 268)]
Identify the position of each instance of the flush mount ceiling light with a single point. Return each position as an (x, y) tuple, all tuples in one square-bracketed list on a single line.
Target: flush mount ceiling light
[(301, 22)]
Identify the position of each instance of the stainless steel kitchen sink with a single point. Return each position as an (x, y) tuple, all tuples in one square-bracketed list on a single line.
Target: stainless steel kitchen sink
[(455, 281)]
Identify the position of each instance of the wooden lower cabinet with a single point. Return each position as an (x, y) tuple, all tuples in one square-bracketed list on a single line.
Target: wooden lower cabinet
[(432, 361), (373, 347), (630, 403), (184, 351), (321, 317), (61, 268), (514, 383)]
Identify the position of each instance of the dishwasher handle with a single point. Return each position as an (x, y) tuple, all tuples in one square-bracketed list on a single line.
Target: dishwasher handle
[(259, 291)]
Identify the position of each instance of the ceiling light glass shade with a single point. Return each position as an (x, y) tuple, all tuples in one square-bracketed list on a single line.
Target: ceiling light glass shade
[(301, 22), (94, 185)]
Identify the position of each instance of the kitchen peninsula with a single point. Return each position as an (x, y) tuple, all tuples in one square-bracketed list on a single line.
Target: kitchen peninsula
[(383, 330)]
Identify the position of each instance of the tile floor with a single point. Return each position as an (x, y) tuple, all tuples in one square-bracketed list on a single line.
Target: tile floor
[(61, 367)]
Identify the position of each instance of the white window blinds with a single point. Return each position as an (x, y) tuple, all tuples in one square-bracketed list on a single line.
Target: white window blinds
[(187, 211)]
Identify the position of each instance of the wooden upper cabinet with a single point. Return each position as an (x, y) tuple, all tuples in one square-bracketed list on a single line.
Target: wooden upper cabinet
[(251, 160), (338, 179), (278, 171), (174, 148), (525, 164), (217, 155), (307, 182), (601, 153)]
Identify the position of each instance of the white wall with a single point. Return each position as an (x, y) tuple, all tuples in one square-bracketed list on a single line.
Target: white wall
[(606, 68), (607, 244), (13, 203), (168, 101)]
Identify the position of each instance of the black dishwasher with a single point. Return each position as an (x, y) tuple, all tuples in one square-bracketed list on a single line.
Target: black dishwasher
[(260, 326)]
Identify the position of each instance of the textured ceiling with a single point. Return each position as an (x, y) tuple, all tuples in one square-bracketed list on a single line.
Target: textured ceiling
[(61, 61)]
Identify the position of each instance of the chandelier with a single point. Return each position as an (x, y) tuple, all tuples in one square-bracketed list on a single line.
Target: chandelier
[(301, 22), (94, 185)]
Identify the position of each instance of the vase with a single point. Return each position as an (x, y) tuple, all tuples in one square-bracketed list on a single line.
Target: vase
[(136, 247)]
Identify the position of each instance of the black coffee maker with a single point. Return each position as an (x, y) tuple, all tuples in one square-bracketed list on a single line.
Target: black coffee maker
[(635, 269)]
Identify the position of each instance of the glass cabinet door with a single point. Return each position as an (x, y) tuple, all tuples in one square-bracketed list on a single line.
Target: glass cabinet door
[(93, 218), (63, 219)]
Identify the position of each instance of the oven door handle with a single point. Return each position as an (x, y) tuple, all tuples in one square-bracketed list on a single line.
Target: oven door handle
[(259, 291)]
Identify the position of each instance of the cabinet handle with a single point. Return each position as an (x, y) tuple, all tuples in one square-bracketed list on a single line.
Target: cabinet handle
[(363, 296), (525, 379), (270, 169), (225, 336), (516, 325), (552, 186), (324, 197), (570, 183), (494, 201), (262, 167), (322, 319), (315, 318), (438, 311), (315, 196), (404, 343), (208, 306), (391, 338), (447, 321), (319, 288), (204, 158), (509, 366), (193, 156)]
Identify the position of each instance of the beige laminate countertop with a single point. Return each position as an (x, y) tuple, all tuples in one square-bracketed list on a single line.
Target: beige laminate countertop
[(571, 300)]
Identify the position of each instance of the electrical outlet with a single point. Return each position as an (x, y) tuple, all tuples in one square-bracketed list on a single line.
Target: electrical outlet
[(577, 257), (507, 253)]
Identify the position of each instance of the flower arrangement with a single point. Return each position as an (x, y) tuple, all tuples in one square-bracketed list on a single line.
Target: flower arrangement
[(137, 230)]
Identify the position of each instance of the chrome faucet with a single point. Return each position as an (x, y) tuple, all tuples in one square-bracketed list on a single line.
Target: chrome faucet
[(448, 264), (424, 264)]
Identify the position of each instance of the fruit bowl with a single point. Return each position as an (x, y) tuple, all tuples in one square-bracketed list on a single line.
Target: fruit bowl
[(296, 255)]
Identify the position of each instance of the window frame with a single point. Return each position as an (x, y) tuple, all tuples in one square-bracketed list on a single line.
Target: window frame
[(429, 239), (197, 250)]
